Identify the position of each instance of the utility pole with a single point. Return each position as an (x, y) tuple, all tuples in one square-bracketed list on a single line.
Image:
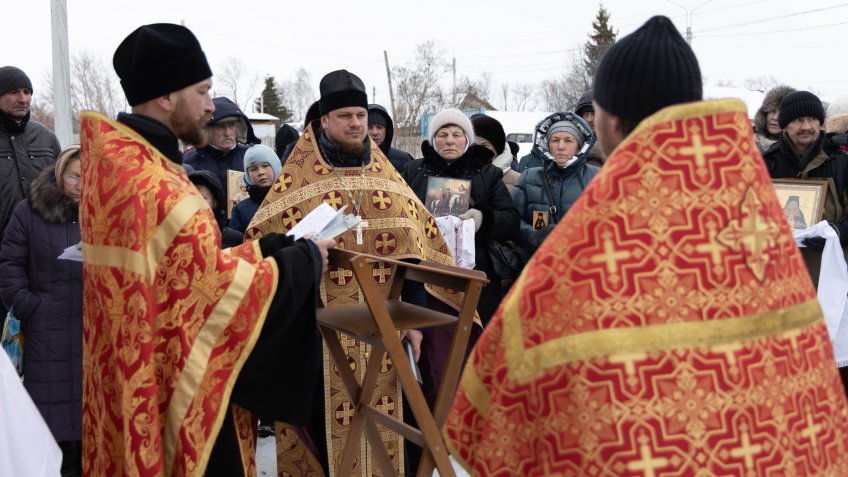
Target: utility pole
[(689, 14), (453, 67), (373, 94), (62, 125), (389, 77)]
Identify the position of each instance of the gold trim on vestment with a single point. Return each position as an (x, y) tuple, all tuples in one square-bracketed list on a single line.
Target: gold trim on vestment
[(135, 262), (165, 233), (198, 358), (117, 257), (475, 390), (526, 364), (203, 460)]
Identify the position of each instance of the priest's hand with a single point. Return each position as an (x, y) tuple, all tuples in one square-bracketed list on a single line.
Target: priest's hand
[(323, 247), (415, 337)]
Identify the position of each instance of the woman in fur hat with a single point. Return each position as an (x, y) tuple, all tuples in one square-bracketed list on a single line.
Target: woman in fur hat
[(45, 294), (766, 129)]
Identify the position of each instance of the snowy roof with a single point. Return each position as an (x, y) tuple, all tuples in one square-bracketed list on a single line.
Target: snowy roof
[(261, 117), (753, 99)]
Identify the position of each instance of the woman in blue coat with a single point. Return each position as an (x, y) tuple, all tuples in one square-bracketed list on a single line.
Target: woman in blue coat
[(544, 194), (45, 294)]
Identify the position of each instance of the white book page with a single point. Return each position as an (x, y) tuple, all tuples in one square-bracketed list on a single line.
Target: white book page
[(316, 221)]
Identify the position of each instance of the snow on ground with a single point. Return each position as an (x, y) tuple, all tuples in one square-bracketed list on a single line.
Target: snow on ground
[(266, 457)]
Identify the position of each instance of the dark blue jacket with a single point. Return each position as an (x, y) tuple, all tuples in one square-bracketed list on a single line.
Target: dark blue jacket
[(534, 159), (397, 157), (46, 294), (565, 186), (210, 158), (244, 211)]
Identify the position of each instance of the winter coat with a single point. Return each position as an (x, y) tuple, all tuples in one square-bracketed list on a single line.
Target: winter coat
[(397, 157), (244, 211), (46, 294), (565, 186), (825, 160), (216, 161), (489, 195), (771, 102), (535, 159), (25, 149), (229, 237)]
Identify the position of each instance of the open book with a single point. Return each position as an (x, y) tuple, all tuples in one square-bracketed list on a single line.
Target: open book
[(325, 223)]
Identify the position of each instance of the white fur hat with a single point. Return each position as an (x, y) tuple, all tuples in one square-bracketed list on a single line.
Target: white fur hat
[(836, 119), (455, 117)]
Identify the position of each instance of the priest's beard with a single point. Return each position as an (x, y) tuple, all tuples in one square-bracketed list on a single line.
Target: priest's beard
[(354, 148), (187, 128)]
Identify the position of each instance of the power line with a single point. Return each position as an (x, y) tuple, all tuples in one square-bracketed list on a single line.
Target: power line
[(814, 27), (764, 20)]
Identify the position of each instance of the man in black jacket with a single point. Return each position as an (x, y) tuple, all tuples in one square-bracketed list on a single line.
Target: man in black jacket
[(381, 129), (804, 152), (26, 146)]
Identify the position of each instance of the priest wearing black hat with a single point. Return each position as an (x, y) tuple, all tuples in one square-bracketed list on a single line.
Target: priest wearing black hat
[(634, 307), (335, 162), (183, 341)]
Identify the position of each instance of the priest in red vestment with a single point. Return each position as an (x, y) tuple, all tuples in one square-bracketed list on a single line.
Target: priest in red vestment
[(668, 326), (185, 344)]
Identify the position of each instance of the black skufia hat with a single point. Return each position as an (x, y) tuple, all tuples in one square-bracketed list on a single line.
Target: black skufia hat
[(158, 59), (341, 89), (647, 70)]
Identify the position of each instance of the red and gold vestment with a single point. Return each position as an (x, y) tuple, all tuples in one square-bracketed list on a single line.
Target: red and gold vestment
[(667, 326)]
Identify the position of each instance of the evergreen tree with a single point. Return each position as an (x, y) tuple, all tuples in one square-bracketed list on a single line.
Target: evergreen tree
[(601, 38), (269, 102)]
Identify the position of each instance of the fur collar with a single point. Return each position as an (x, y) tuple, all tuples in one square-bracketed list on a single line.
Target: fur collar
[(50, 203), (836, 124)]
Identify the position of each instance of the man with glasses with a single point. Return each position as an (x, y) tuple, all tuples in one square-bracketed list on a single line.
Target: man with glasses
[(229, 134)]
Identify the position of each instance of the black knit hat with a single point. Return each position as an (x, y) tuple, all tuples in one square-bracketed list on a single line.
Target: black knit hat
[(13, 79), (799, 104), (491, 130), (158, 59), (647, 70), (584, 104), (340, 89)]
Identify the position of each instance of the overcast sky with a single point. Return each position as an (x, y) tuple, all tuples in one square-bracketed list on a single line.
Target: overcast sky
[(799, 43)]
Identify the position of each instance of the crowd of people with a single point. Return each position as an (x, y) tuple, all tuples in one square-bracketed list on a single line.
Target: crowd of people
[(636, 255)]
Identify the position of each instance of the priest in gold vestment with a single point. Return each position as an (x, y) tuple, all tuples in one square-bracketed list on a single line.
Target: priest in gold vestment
[(184, 343), (668, 326), (335, 162)]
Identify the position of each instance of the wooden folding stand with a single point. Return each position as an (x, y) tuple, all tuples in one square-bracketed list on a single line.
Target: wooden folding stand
[(377, 322)]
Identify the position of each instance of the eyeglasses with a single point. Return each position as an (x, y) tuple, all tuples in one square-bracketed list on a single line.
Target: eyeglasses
[(73, 180)]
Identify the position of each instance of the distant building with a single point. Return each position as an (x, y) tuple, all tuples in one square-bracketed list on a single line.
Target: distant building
[(265, 127)]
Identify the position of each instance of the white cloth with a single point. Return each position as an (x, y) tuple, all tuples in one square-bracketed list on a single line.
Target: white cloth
[(833, 287), (26, 445), (459, 236)]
